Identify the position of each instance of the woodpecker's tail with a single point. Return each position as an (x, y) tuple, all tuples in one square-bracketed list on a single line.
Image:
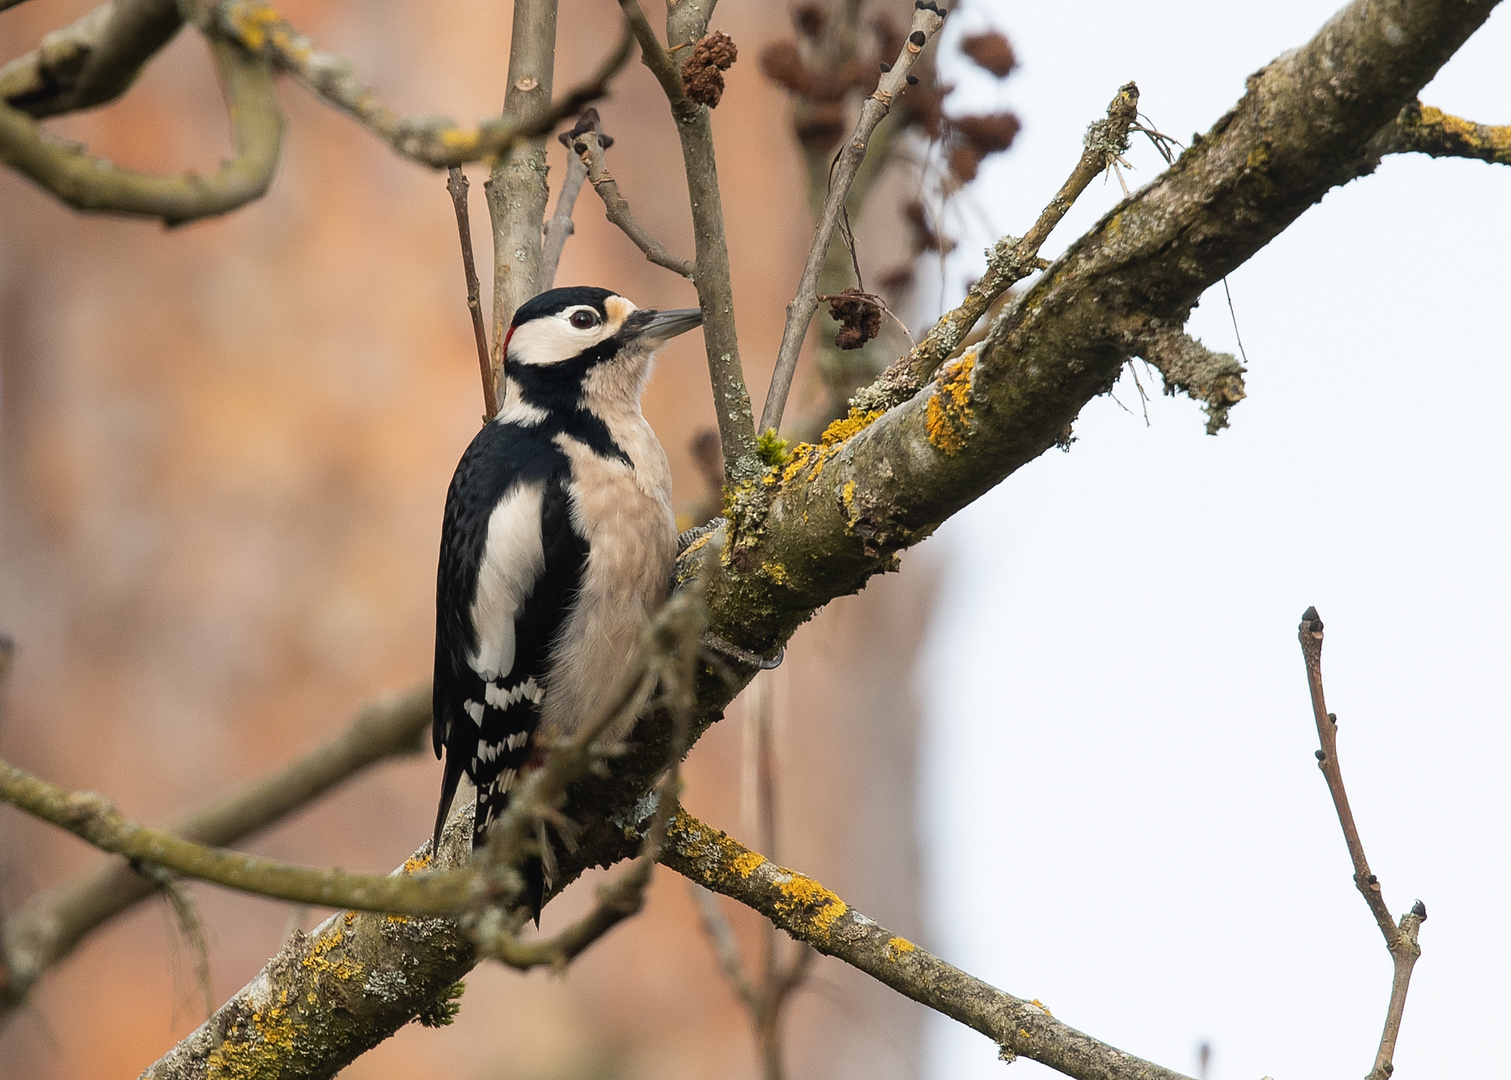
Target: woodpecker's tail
[(449, 780), (492, 799)]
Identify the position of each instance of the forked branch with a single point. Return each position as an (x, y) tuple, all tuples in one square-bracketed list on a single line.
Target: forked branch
[(1400, 939)]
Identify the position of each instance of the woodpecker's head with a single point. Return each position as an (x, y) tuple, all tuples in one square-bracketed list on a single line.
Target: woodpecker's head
[(584, 348)]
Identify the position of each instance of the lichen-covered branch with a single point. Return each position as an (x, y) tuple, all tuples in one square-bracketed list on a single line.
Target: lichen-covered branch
[(91, 61), (926, 24), (48, 927), (436, 142), (1215, 379), (1010, 261), (86, 182), (589, 149), (1424, 129), (1400, 938), (685, 24), (811, 913)]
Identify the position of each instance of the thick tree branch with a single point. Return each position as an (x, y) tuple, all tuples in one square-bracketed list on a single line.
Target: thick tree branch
[(811, 913), (1423, 129), (685, 24), (1010, 261), (926, 23), (838, 513), (52, 923), (589, 148), (1400, 940), (90, 183), (91, 61)]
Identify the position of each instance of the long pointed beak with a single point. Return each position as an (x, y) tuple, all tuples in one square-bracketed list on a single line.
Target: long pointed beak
[(659, 326)]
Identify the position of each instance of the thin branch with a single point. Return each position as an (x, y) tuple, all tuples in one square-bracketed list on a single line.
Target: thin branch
[(1010, 261), (456, 185), (86, 182), (926, 23), (436, 142), (726, 947), (90, 817), (560, 225), (1423, 129), (686, 23), (91, 61), (1400, 940), (51, 924), (589, 148), (516, 187), (811, 913)]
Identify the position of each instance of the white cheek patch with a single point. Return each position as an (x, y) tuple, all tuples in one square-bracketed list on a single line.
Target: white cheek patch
[(512, 562)]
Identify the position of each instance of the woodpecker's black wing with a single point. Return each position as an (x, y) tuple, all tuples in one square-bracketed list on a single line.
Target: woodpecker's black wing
[(510, 564)]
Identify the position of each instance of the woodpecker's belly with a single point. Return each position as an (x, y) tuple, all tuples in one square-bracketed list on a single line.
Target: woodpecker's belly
[(625, 512)]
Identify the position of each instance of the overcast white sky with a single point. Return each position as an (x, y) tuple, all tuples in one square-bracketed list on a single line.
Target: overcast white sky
[(1123, 808)]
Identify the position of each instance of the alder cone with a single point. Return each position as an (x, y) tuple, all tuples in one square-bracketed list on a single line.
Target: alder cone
[(703, 71)]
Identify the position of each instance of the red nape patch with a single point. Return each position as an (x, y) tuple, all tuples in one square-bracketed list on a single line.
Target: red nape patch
[(503, 354)]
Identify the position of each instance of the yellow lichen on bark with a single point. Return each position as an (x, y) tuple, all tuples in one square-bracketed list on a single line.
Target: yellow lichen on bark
[(948, 416), (747, 862), (256, 1053), (847, 426), (1494, 141), (897, 946), (805, 900)]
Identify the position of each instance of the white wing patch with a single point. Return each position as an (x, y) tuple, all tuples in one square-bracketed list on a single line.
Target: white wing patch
[(512, 562)]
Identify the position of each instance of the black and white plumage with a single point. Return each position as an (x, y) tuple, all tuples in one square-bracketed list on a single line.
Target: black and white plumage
[(557, 544)]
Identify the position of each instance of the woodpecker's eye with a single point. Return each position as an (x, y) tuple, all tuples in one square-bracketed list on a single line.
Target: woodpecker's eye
[(583, 320)]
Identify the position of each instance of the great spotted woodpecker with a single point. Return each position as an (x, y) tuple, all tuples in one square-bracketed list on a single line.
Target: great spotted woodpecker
[(557, 543)]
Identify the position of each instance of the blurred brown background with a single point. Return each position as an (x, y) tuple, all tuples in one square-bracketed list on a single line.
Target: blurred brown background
[(223, 455)]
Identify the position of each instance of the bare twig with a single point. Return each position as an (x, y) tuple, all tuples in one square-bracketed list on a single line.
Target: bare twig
[(685, 24), (560, 225), (1010, 261), (589, 148), (437, 142), (926, 23), (811, 913), (91, 61), (1400, 939), (456, 184), (86, 182), (52, 923)]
